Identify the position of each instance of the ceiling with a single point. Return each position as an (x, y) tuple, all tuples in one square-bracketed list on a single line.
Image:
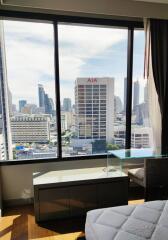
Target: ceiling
[(153, 1), (22, 2), (98, 8)]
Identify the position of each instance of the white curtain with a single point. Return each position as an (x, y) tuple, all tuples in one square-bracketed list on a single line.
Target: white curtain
[(154, 109)]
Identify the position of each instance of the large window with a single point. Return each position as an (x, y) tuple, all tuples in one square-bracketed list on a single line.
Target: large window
[(30, 87), (64, 88), (93, 66)]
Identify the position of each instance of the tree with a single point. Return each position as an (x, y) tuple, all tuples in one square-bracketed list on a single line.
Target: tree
[(111, 146)]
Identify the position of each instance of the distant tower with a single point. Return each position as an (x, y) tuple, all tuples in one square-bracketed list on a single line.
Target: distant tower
[(67, 106), (49, 104), (117, 105), (136, 94), (146, 93), (14, 108), (22, 104), (41, 95), (44, 101), (10, 102)]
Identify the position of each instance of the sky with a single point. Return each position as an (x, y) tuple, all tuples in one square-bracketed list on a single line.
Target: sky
[(84, 51)]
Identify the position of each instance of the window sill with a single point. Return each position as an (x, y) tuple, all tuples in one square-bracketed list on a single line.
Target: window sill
[(63, 159)]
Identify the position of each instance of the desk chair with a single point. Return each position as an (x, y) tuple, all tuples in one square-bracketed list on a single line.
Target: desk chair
[(153, 177)]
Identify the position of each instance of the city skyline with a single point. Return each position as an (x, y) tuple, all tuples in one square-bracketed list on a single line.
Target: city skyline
[(97, 81), (68, 101)]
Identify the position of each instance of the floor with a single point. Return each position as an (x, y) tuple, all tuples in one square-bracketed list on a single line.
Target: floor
[(19, 224)]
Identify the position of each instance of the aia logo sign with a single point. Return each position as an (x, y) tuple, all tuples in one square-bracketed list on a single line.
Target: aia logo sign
[(92, 80)]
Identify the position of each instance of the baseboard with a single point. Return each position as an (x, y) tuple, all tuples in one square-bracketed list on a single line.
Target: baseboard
[(17, 202)]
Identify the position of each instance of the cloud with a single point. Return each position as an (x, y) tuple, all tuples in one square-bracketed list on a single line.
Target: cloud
[(78, 44), (29, 59), (20, 30), (30, 56)]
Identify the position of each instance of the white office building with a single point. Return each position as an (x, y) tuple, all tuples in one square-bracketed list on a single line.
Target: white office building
[(30, 128), (94, 102), (67, 120), (141, 137)]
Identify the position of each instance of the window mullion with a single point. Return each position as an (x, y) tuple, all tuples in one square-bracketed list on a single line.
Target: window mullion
[(57, 87), (129, 87)]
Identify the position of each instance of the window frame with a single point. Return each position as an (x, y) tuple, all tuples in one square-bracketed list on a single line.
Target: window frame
[(55, 20)]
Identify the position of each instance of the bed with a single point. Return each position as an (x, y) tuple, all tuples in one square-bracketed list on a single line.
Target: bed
[(131, 222)]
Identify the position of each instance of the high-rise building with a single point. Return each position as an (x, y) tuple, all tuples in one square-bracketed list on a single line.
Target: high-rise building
[(67, 120), (14, 110), (30, 128), (141, 137), (10, 102), (29, 109), (142, 114), (44, 100), (94, 102), (49, 104), (117, 104), (41, 94), (136, 94), (22, 103), (67, 106), (146, 93)]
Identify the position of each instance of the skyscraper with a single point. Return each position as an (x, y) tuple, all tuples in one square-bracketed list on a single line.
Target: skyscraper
[(146, 93), (41, 94), (136, 94), (48, 104), (10, 102), (118, 107), (51, 103), (67, 106), (44, 101), (22, 103), (94, 101)]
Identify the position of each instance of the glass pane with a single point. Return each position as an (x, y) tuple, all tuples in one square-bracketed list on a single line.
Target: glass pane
[(141, 132), (93, 64), (3, 148), (30, 84)]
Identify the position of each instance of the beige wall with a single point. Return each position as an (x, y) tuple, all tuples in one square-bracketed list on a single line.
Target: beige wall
[(17, 179), (128, 8)]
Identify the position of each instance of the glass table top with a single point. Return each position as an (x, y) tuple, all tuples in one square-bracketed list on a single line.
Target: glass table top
[(136, 153)]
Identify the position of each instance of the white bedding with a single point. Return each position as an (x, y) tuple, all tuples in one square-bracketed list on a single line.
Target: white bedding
[(132, 222)]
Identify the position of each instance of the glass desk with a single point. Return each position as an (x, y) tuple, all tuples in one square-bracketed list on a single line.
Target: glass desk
[(154, 189), (135, 153), (126, 154)]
